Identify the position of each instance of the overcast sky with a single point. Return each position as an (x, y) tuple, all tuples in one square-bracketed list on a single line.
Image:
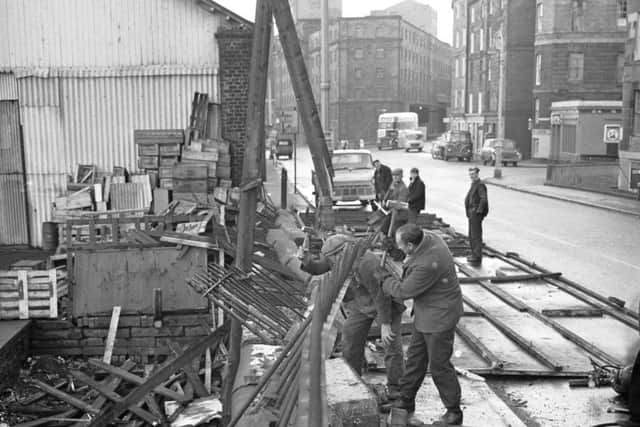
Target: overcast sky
[(247, 9)]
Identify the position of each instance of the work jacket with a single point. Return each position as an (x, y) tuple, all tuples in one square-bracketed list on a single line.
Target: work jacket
[(398, 192), (382, 179), (429, 277), (416, 197), (477, 202)]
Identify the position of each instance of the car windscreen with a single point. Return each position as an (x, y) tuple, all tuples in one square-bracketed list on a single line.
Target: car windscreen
[(508, 145), (351, 161)]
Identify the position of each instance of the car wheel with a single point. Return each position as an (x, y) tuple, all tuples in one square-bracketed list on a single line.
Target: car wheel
[(420, 150), (505, 164), (290, 156), (406, 149), (515, 164), (445, 157), (379, 148)]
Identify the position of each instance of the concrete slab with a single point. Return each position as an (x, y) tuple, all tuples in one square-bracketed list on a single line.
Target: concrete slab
[(351, 402)]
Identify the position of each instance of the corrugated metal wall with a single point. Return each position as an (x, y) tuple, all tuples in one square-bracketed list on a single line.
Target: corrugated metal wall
[(71, 120), (106, 33), (8, 86)]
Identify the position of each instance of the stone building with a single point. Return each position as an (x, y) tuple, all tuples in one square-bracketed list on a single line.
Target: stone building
[(377, 64), (478, 28), (310, 9), (579, 56), (419, 14)]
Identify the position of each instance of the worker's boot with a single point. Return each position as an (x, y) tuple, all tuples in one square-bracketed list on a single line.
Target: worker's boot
[(410, 407), (453, 417)]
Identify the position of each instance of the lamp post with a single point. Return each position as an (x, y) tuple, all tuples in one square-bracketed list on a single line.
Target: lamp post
[(501, 44)]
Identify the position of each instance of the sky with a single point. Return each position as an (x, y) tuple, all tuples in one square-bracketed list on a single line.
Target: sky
[(351, 8)]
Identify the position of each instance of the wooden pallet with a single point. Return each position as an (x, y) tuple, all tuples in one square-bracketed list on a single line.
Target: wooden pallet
[(29, 294)]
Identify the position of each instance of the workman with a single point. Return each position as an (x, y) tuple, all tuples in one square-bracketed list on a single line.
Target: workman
[(476, 205), (365, 303), (381, 179), (429, 278), (416, 197)]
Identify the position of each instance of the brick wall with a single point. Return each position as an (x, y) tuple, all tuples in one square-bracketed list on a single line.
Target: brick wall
[(235, 60), (136, 338)]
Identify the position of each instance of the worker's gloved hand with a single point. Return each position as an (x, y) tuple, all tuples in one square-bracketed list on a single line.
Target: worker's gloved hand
[(386, 335)]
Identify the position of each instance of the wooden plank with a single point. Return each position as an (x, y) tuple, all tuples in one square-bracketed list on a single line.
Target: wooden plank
[(135, 379), (573, 312), (113, 396), (198, 388), (212, 340), (73, 401), (478, 347), (111, 336), (53, 299), (190, 171), (506, 297), (48, 420), (23, 289), (511, 278)]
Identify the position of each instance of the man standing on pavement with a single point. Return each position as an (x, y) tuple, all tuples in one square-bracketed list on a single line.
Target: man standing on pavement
[(477, 207), (365, 303), (416, 197), (429, 277), (381, 179), (398, 192)]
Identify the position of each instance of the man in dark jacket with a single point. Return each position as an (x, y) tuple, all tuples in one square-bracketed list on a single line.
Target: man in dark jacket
[(381, 179), (416, 197), (429, 277), (367, 303), (477, 207)]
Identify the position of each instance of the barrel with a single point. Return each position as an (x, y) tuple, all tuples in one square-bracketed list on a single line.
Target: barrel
[(50, 236)]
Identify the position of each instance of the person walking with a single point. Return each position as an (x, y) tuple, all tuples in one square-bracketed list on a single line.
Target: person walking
[(365, 302), (476, 206), (429, 278), (416, 196), (381, 179)]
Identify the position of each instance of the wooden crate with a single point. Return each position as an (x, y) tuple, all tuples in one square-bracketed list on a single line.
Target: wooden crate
[(148, 162), (30, 294), (210, 156), (166, 183), (148, 150), (168, 161), (169, 149), (190, 185), (165, 172), (190, 171), (223, 172)]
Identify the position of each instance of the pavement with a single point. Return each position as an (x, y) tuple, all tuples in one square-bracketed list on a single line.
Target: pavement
[(529, 177), (273, 187)]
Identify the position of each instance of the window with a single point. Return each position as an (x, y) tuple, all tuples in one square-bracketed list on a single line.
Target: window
[(457, 65), (538, 70), (537, 110), (357, 73), (481, 39), (539, 15), (636, 112), (473, 14), (472, 42), (489, 69), (470, 111), (479, 102), (380, 52), (379, 31), (622, 9), (359, 31), (359, 53), (577, 15), (620, 67), (379, 73), (576, 66)]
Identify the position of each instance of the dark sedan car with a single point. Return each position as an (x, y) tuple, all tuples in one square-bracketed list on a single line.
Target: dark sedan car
[(509, 152)]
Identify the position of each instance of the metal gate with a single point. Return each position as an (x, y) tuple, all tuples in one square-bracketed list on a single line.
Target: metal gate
[(13, 202)]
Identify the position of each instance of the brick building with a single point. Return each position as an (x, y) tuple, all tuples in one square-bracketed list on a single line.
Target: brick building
[(419, 14), (579, 55), (377, 64), (476, 68), (629, 155)]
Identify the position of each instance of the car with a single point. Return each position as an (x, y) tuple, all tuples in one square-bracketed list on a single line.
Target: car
[(415, 141), (453, 144), (353, 176), (281, 147), (509, 152)]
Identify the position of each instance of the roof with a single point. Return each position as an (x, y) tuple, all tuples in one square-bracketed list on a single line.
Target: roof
[(214, 7), (354, 151)]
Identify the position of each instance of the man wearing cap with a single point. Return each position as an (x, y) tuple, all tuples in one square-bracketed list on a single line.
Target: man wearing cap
[(477, 207), (381, 179), (429, 278), (366, 303), (416, 196)]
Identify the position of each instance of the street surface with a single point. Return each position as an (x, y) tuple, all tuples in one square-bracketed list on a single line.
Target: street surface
[(591, 246)]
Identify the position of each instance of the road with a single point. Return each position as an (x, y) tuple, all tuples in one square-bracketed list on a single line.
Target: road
[(591, 246)]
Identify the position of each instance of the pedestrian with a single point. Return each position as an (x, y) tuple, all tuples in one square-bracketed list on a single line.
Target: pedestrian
[(429, 278), (477, 207), (381, 179), (365, 303), (416, 196), (397, 192)]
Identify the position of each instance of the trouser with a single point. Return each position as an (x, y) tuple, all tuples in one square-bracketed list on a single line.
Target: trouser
[(354, 337), (475, 236), (434, 351), (413, 216), (400, 219)]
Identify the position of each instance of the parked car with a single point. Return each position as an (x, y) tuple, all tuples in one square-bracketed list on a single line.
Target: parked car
[(282, 147), (509, 152), (353, 176), (415, 141), (453, 144)]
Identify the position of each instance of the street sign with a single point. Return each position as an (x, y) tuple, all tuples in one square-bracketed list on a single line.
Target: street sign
[(612, 133)]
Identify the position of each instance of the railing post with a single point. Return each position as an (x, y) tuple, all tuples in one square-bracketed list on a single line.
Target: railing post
[(283, 189)]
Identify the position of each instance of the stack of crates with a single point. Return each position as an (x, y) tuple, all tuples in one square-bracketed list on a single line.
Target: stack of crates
[(158, 151)]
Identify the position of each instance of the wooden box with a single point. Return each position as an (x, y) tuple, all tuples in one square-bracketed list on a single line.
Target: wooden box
[(148, 162), (190, 171), (165, 172), (190, 185), (153, 177), (29, 294), (166, 183), (210, 156), (168, 161), (223, 172), (170, 149), (148, 150)]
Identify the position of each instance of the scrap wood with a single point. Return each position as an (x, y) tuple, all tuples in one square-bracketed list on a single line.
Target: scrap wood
[(111, 336), (188, 240), (47, 420), (191, 374), (71, 400), (212, 340), (510, 279), (39, 395)]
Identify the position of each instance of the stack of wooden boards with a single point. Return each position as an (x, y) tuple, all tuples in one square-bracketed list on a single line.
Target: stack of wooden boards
[(158, 149)]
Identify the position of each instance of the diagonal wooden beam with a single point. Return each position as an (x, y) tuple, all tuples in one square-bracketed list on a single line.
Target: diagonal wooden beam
[(137, 394), (191, 374)]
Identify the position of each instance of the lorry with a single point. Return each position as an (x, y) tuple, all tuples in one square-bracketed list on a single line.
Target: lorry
[(395, 130)]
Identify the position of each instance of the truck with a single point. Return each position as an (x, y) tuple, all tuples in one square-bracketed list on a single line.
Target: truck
[(395, 130)]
